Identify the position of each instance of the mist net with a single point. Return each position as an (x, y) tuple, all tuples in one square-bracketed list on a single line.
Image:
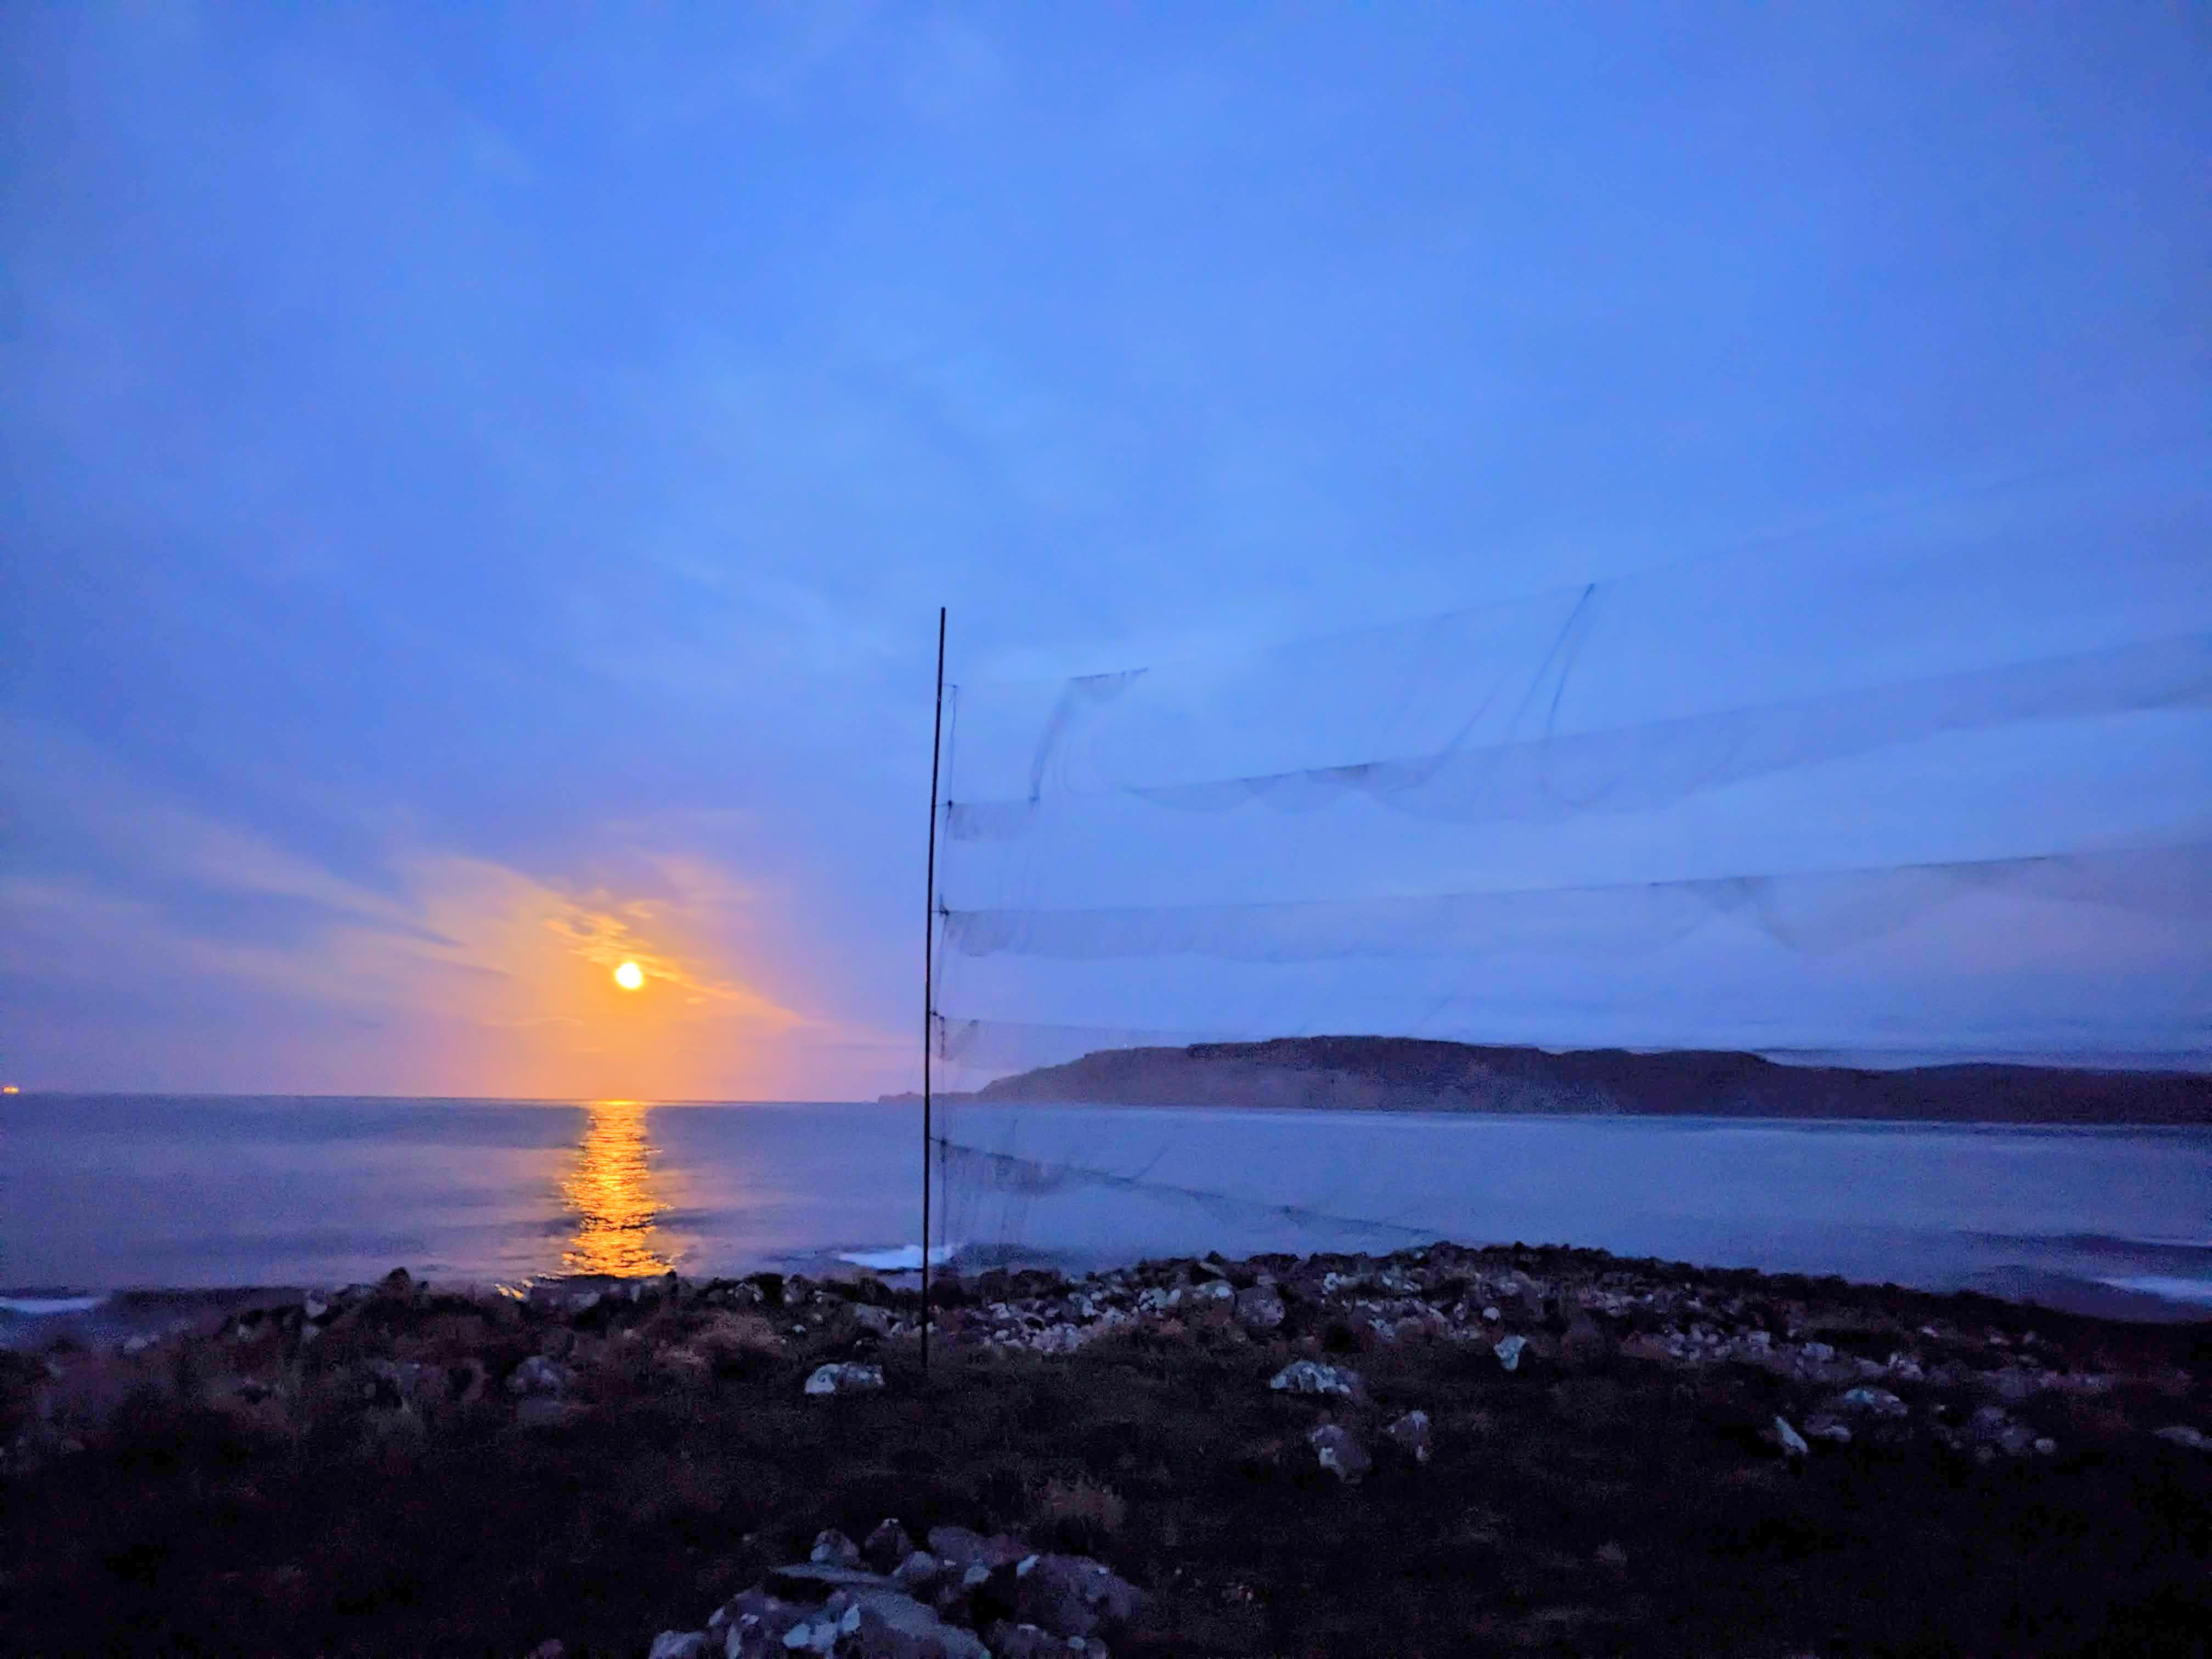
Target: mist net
[(1953, 805)]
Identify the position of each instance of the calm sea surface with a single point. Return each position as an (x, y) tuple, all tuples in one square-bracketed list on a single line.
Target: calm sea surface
[(99, 1194)]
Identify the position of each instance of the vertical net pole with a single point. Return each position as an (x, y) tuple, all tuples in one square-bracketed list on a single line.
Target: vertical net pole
[(929, 978)]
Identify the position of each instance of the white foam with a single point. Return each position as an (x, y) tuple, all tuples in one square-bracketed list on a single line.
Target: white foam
[(2173, 1290), (904, 1259), (35, 1306)]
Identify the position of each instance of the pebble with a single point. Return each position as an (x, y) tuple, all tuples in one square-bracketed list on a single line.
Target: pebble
[(832, 1548), (1880, 1402), (1411, 1433), (1340, 1454), (1311, 1376), (845, 1379)]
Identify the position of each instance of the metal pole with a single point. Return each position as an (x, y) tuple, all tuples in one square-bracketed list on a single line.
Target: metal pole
[(929, 981)]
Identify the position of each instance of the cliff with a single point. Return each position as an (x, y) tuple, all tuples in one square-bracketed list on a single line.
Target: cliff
[(1363, 1074)]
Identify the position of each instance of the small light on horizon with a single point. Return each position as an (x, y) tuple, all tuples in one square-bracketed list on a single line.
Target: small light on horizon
[(10, 1088), (629, 977)]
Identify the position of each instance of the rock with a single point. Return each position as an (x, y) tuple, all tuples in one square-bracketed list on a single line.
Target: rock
[(753, 1623), (887, 1546), (397, 1282), (1820, 1351), (1823, 1426), (881, 1320), (1585, 1342), (1340, 1454), (1490, 1316), (817, 1581), (1260, 1308), (918, 1572), (832, 1548), (1878, 1402), (1411, 1432), (2045, 1446), (845, 1379), (1780, 1434), (1311, 1376), (887, 1625), (539, 1376), (960, 1549), (2181, 1434), (140, 1343), (1612, 1555), (1509, 1352), (1067, 1596), (551, 1648), (678, 1644)]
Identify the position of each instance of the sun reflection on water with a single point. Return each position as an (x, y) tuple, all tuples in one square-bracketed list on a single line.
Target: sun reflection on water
[(609, 1195)]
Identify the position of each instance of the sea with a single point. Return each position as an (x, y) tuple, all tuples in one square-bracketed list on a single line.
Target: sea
[(121, 1213)]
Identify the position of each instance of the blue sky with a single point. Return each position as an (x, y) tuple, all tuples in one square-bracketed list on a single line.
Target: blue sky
[(478, 482)]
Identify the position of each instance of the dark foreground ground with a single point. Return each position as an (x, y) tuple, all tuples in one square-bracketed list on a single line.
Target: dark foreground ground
[(383, 1473)]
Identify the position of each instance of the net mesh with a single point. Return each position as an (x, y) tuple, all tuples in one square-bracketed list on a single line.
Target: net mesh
[(1956, 803)]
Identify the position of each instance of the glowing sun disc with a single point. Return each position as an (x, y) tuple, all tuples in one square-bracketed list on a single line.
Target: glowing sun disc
[(629, 977)]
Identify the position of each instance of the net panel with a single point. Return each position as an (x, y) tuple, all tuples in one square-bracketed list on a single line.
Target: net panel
[(1956, 803)]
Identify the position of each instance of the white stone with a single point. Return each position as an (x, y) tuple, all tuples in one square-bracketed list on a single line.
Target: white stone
[(1880, 1402), (845, 1379), (1509, 1352), (2181, 1434), (1792, 1442), (1309, 1376)]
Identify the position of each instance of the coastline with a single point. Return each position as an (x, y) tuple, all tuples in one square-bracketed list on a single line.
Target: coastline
[(398, 1467), (1403, 1074)]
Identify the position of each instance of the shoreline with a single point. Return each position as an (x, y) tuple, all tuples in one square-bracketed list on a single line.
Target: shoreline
[(1497, 1450)]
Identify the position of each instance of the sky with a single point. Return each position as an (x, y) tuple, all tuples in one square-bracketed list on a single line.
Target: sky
[(477, 483)]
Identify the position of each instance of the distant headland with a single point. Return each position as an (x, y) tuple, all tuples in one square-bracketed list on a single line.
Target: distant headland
[(1367, 1073)]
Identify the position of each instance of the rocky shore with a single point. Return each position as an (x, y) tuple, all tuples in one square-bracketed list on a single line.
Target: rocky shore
[(1445, 1450)]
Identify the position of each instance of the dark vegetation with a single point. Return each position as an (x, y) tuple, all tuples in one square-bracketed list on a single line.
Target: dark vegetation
[(1407, 1074), (1589, 1502)]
